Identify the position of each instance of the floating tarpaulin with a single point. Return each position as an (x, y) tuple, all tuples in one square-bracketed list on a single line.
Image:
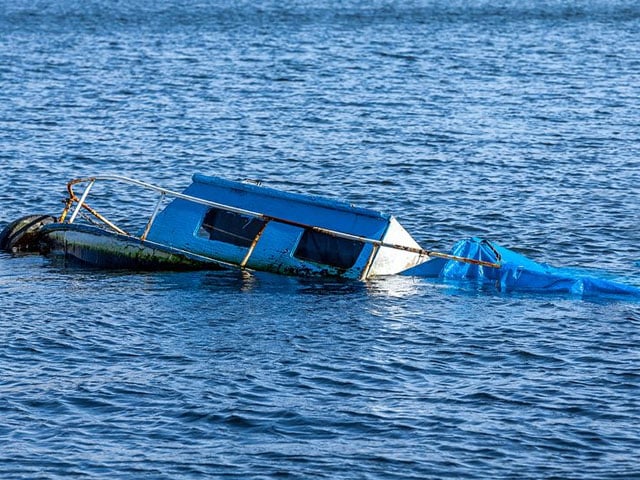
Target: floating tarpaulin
[(517, 273)]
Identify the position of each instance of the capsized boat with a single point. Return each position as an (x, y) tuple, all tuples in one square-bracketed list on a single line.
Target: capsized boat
[(217, 223)]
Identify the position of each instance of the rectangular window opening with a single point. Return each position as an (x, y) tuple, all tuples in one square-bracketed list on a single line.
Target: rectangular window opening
[(230, 227), (327, 249)]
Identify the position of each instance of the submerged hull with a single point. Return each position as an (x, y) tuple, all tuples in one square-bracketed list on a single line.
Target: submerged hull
[(101, 248), (97, 247)]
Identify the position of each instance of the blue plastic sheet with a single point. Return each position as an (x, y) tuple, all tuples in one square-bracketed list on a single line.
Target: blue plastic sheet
[(517, 273)]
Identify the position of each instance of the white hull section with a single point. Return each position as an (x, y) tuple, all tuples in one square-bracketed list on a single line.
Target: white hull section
[(389, 261)]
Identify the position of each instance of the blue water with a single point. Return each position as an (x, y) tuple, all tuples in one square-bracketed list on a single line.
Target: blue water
[(510, 120)]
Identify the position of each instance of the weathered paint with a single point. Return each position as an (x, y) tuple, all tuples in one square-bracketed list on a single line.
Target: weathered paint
[(95, 246), (287, 213)]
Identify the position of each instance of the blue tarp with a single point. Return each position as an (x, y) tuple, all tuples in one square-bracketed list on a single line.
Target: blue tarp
[(517, 273)]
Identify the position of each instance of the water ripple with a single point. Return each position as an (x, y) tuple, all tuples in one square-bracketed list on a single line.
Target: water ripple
[(508, 120)]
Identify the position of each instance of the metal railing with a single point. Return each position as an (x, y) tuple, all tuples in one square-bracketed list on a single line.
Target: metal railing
[(163, 192)]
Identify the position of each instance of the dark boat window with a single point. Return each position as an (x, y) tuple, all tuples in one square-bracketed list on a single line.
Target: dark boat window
[(230, 227), (329, 250)]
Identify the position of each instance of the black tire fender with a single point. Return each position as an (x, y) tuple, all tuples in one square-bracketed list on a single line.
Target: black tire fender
[(23, 234)]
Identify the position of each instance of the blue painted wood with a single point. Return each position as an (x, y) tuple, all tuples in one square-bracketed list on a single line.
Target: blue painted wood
[(318, 211), (179, 223)]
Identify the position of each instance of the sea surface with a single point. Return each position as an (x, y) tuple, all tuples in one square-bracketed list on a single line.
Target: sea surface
[(515, 121)]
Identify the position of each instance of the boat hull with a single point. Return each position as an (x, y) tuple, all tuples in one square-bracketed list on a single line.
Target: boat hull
[(100, 248)]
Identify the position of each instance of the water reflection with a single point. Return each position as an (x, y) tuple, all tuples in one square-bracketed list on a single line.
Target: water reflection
[(396, 286)]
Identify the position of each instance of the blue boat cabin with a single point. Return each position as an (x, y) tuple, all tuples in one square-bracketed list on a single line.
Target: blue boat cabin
[(265, 229)]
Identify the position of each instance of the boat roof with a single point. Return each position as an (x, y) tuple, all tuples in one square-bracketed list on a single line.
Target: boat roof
[(294, 207), (263, 192)]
